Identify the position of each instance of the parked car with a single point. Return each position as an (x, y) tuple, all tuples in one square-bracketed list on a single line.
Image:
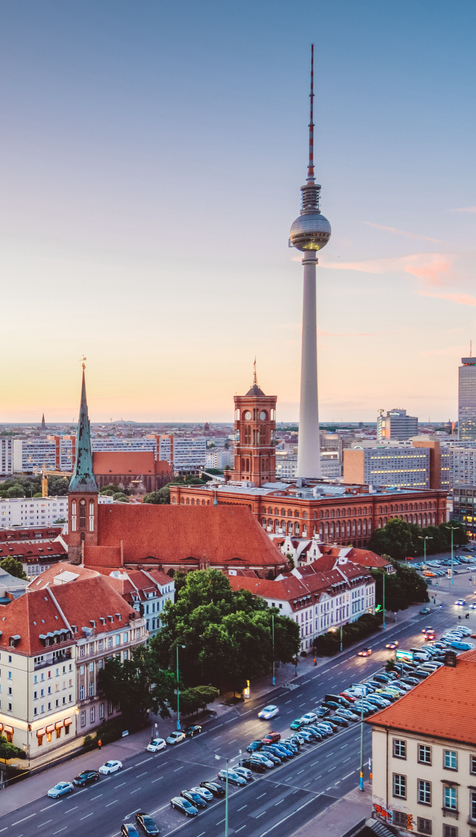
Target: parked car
[(271, 738), (155, 745), (203, 792), (254, 746), (175, 737), (233, 777), (129, 829), (271, 755), (340, 721), (60, 789), (243, 771), (111, 766), (193, 729), (309, 718), (214, 788), (147, 824), (194, 797), (296, 724), (252, 763), (86, 777), (268, 712), (184, 806)]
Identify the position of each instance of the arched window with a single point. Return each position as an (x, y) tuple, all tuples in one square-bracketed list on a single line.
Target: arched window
[(327, 513), (91, 515), (82, 514), (290, 514), (296, 528), (304, 514), (283, 512), (283, 525), (337, 530), (74, 512), (188, 501), (296, 513)]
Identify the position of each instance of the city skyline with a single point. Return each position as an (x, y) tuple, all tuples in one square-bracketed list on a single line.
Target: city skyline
[(151, 163)]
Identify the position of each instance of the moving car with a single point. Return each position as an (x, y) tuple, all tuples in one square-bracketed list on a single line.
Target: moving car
[(86, 777), (128, 829), (111, 766), (268, 712), (147, 824), (60, 789), (195, 798), (155, 745), (233, 777), (364, 652), (460, 602), (392, 645), (193, 729), (425, 610), (175, 737), (214, 788), (184, 806)]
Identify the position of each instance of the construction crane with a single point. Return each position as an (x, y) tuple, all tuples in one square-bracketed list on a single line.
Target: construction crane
[(45, 473)]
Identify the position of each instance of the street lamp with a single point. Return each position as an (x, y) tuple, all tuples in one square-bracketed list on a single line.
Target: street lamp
[(425, 538), (226, 787), (272, 636), (452, 529), (178, 687), (383, 599)]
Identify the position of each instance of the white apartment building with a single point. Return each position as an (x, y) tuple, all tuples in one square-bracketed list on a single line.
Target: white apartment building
[(6, 457), (35, 511), (219, 458), (184, 453)]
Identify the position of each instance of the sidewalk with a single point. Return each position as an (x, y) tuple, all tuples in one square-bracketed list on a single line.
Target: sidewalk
[(38, 784), (341, 816)]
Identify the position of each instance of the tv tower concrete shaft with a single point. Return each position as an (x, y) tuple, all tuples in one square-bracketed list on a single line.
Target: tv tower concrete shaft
[(309, 449)]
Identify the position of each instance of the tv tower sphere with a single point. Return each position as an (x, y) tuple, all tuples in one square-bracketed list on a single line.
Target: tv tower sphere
[(311, 230)]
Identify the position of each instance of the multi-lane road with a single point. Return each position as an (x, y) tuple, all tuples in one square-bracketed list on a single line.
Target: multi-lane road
[(273, 804)]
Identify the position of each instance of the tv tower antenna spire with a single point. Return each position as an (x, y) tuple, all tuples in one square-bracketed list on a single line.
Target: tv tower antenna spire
[(310, 168)]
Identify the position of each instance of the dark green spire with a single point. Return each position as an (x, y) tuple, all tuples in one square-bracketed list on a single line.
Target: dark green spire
[(83, 479)]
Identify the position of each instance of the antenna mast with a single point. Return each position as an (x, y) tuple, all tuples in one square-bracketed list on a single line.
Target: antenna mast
[(310, 168)]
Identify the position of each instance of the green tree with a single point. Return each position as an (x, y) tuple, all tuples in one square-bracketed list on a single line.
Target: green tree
[(12, 566), (138, 685), (120, 497), (402, 588), (9, 751), (160, 497), (16, 491), (58, 486), (226, 633), (196, 698)]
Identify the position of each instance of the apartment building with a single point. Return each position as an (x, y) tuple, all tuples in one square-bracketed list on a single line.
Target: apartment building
[(6, 457), (424, 754), (27, 512)]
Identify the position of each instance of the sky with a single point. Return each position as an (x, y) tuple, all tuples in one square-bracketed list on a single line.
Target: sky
[(151, 161)]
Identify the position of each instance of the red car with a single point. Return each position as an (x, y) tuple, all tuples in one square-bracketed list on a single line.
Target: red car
[(365, 652), (271, 738), (348, 696)]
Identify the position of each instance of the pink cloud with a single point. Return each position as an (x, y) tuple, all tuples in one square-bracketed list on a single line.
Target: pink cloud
[(431, 268), (433, 271), (402, 232), (461, 299), (466, 209)]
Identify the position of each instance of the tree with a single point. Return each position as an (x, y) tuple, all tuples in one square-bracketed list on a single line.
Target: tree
[(397, 539), (15, 491), (138, 685), (57, 486), (120, 497), (12, 566), (197, 697), (9, 751), (160, 497), (402, 588), (227, 634)]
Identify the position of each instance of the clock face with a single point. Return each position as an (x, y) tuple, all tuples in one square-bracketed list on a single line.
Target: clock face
[(247, 415), (262, 415)]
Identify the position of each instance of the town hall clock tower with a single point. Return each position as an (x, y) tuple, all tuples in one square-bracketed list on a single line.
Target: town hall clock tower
[(255, 436)]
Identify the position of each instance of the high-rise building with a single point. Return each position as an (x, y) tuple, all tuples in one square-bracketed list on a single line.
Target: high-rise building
[(467, 400), (309, 233), (396, 425)]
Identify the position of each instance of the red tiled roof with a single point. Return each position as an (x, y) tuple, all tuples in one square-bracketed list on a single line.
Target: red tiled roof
[(127, 462), (28, 617), (440, 706), (33, 551), (220, 535)]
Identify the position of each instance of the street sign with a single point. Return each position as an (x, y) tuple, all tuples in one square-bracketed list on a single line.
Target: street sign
[(403, 656)]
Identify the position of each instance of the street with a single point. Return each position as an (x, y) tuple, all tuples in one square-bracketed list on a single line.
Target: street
[(275, 803)]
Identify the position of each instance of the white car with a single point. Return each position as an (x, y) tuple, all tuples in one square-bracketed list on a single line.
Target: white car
[(110, 767), (309, 718), (175, 737), (268, 712), (204, 793), (155, 745), (60, 789)]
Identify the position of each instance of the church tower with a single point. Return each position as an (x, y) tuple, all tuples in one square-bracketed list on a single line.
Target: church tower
[(83, 491), (255, 436)]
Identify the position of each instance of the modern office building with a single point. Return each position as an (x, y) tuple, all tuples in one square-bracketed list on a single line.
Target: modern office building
[(467, 400), (6, 457), (464, 507), (462, 463), (396, 425), (392, 465)]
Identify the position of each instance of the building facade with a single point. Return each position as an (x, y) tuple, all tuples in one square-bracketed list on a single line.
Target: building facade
[(467, 400), (402, 466), (6, 457), (396, 425), (255, 436), (464, 507)]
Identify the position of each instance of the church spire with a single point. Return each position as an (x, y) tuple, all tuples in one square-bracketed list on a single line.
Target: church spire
[(83, 479)]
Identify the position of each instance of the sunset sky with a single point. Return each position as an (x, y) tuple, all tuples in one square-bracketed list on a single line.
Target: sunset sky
[(152, 155)]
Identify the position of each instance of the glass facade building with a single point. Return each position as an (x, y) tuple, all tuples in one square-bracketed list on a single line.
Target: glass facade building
[(467, 400)]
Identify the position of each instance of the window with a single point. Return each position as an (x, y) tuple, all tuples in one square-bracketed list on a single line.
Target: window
[(424, 792), (91, 666), (91, 715), (472, 765), (91, 690), (450, 759), (424, 754), (101, 711), (400, 818), (83, 718), (81, 692), (450, 831), (399, 748), (450, 801), (423, 825), (399, 786), (472, 805)]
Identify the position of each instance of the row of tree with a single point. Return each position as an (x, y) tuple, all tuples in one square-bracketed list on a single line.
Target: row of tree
[(222, 638), (400, 540), (30, 486)]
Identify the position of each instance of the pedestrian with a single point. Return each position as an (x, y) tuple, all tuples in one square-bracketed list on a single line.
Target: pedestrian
[(99, 743), (467, 616)]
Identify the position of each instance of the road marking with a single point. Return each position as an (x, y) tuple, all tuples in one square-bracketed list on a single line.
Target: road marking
[(23, 820), (313, 763), (238, 829), (279, 803), (132, 791), (40, 825), (260, 815), (86, 816), (305, 681), (141, 774), (261, 794), (96, 797), (218, 726), (347, 759), (348, 775), (329, 754), (114, 801), (60, 830), (300, 771), (287, 701), (156, 780), (144, 761), (178, 768), (292, 814), (120, 785)]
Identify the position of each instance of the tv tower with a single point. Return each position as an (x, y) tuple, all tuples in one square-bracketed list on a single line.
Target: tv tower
[(309, 233)]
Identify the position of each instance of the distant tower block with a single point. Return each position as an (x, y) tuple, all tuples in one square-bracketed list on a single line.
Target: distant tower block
[(309, 233), (255, 436)]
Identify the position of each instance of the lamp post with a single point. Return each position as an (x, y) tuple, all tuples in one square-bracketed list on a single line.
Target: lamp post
[(226, 787), (452, 529), (178, 687), (383, 599), (272, 636), (425, 538), (341, 638)]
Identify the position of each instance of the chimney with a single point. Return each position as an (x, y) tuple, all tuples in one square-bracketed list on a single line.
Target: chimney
[(450, 659)]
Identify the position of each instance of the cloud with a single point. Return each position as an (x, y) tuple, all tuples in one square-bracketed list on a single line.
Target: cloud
[(461, 299), (402, 232), (431, 268), (324, 333), (471, 209)]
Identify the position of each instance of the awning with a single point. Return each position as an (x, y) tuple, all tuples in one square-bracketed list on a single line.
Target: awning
[(50, 728), (7, 728), (40, 732), (59, 724), (67, 722)]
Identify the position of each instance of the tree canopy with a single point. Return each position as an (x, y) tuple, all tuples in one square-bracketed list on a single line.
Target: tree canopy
[(160, 497), (138, 685), (226, 634), (401, 589), (400, 540), (12, 566)]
